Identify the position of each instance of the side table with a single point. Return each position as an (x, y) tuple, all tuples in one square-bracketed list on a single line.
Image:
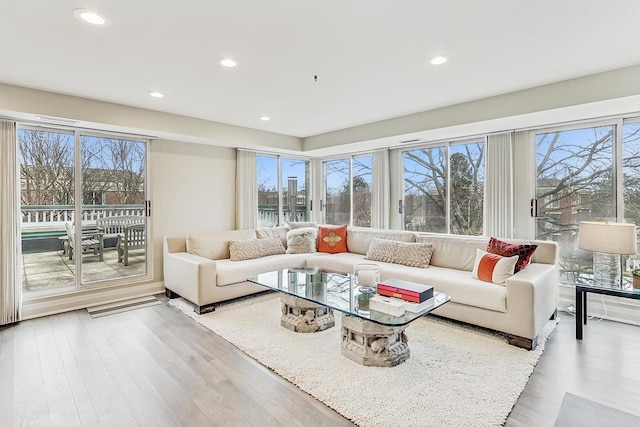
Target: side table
[(581, 301)]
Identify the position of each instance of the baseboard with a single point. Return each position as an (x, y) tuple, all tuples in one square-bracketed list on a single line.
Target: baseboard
[(49, 305), (617, 309)]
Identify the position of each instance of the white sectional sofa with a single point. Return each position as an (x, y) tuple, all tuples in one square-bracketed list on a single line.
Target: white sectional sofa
[(198, 268)]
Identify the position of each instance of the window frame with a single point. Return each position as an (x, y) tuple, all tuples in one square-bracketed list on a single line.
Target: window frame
[(446, 145), (281, 220), (351, 157)]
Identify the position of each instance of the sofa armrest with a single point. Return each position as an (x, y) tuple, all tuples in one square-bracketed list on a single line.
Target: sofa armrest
[(532, 295), (190, 276)]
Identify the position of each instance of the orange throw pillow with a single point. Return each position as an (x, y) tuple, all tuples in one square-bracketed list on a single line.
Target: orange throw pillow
[(332, 238)]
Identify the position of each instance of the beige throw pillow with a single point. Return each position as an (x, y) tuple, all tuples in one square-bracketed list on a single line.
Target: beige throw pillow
[(241, 250), (381, 250), (410, 254), (413, 254)]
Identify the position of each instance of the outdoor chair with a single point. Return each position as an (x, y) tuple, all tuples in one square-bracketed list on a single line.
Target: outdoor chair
[(134, 237), (91, 241)]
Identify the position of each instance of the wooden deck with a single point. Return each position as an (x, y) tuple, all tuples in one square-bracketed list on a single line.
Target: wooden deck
[(53, 269)]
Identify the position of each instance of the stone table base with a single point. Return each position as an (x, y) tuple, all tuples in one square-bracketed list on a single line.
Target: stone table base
[(300, 315), (371, 344)]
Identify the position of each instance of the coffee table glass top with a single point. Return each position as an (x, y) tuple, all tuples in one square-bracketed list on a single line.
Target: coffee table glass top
[(337, 291)]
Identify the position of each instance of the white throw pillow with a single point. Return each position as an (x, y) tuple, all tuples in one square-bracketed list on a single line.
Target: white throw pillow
[(302, 240), (493, 268)]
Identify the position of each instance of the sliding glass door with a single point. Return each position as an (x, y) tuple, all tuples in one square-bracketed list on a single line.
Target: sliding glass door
[(113, 197), (82, 205)]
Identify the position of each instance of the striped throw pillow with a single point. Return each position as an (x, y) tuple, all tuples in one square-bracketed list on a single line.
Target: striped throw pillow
[(492, 267)]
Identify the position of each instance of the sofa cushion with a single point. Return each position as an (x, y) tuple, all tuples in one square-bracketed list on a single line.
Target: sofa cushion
[(406, 253), (281, 232), (524, 251), (332, 238), (294, 225), (302, 240), (229, 272), (457, 252), (492, 267), (215, 245), (240, 250), (342, 262), (458, 284), (359, 239)]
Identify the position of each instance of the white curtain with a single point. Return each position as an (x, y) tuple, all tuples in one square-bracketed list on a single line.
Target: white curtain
[(380, 190), (498, 209), (10, 250), (246, 190)]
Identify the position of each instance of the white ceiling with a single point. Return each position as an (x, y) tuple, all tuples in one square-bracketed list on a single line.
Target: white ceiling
[(371, 56)]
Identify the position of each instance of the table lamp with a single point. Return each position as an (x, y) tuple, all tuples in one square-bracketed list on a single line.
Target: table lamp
[(607, 241)]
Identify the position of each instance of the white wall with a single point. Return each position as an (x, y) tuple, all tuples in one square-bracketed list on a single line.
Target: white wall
[(598, 95), (193, 189), (24, 103)]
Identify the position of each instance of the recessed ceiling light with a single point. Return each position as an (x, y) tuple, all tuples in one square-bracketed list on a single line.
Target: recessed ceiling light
[(265, 118), (228, 62), (90, 17), (439, 60), (156, 94)]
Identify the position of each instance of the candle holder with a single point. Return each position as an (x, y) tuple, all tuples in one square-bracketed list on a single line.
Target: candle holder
[(367, 277)]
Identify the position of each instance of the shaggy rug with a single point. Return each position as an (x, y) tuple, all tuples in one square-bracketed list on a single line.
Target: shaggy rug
[(457, 375)]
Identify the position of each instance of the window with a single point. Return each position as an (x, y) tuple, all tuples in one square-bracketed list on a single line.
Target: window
[(444, 188), (267, 171), (631, 179), (362, 176), (575, 181), (295, 203), (285, 199), (348, 191), (631, 171), (93, 197)]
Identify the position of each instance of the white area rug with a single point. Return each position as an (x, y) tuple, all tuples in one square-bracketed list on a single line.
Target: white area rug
[(457, 375)]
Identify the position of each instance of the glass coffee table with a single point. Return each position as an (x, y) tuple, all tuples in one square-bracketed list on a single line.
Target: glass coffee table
[(309, 297)]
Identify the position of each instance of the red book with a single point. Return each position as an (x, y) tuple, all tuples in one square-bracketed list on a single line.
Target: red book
[(408, 291)]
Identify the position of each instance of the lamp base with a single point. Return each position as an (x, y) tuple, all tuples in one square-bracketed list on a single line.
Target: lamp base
[(606, 270)]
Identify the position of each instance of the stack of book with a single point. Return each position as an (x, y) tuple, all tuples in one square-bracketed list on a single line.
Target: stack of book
[(397, 296)]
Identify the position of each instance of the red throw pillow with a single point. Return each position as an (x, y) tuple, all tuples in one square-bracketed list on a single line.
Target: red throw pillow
[(332, 239), (524, 252)]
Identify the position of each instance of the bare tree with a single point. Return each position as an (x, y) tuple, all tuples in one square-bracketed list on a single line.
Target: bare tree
[(46, 167), (576, 181), (425, 185)]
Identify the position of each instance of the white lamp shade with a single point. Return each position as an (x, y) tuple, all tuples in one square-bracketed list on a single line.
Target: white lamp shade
[(608, 237)]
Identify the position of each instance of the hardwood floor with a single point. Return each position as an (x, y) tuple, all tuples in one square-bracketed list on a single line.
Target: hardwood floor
[(149, 367), (604, 367), (154, 366)]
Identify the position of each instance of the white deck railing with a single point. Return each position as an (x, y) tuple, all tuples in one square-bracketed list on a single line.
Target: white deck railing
[(53, 217), (268, 217)]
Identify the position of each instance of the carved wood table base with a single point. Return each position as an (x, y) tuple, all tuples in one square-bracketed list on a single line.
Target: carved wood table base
[(300, 315), (371, 344)]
